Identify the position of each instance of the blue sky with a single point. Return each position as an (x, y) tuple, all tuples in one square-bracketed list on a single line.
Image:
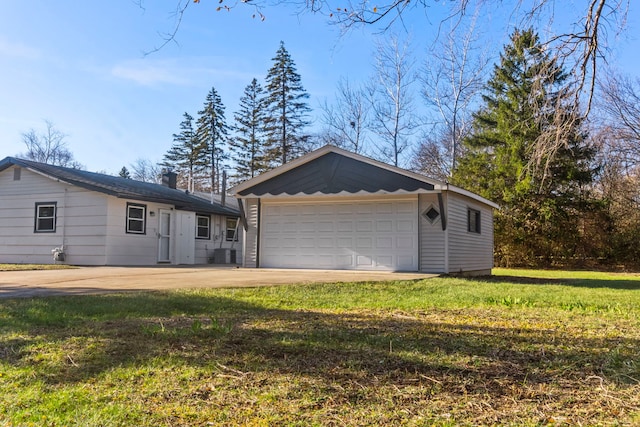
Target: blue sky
[(81, 65)]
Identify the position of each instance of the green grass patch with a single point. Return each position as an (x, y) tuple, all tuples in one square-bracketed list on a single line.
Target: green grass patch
[(25, 267), (520, 348)]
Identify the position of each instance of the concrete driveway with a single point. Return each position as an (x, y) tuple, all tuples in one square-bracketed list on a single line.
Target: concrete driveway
[(91, 280)]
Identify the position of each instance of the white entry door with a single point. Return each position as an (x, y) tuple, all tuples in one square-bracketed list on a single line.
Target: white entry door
[(362, 235), (185, 237), (164, 236)]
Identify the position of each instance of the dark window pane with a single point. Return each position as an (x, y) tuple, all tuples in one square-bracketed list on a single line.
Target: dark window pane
[(46, 211), (137, 213), (432, 214), (45, 224), (136, 226)]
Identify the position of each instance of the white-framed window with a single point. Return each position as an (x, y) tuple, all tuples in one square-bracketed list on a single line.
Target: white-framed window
[(232, 227), (136, 218), (203, 226), (45, 217), (473, 221)]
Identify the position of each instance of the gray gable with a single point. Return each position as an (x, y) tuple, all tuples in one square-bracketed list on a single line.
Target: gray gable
[(333, 173), (123, 188)]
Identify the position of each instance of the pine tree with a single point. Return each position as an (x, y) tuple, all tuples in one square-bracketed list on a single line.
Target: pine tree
[(538, 218), (248, 146), (212, 132), (286, 108), (187, 156)]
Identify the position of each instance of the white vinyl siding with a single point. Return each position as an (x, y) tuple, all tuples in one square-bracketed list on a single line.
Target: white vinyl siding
[(432, 237), (469, 251), (365, 234), (124, 248), (80, 221), (204, 248)]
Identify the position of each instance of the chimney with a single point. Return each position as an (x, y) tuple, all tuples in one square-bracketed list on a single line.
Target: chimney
[(169, 179), (224, 188)]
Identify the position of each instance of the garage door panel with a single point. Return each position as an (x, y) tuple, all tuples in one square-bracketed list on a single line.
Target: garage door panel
[(405, 208), (326, 226), (384, 242), (345, 226), (406, 261), (344, 261), (384, 261), (383, 226), (407, 242), (384, 208), (344, 242), (370, 236), (364, 225), (405, 225), (364, 261)]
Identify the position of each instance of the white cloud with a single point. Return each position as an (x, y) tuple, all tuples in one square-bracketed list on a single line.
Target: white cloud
[(193, 71), (18, 50), (148, 74)]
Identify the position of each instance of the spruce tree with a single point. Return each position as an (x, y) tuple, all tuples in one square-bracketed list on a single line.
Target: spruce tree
[(286, 108), (248, 146), (538, 219), (187, 155), (212, 132)]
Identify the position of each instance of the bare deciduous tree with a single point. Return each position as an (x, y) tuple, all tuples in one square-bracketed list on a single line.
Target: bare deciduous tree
[(146, 171), (431, 157), (346, 120), (582, 42), (49, 147), (620, 107), (451, 80), (390, 92)]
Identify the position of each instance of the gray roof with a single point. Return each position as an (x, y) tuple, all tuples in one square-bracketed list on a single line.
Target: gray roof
[(333, 173), (123, 188)]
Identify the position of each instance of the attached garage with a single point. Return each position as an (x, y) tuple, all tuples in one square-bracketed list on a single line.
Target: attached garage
[(333, 209)]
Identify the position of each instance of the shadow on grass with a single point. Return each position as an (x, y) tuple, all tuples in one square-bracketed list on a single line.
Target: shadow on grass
[(87, 336), (625, 284)]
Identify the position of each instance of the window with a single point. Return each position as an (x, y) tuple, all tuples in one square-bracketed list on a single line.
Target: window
[(16, 173), (232, 227), (203, 226), (136, 218), (45, 217), (431, 214), (473, 221)]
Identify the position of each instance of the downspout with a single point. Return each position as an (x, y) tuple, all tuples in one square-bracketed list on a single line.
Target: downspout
[(445, 205), (58, 253), (64, 218)]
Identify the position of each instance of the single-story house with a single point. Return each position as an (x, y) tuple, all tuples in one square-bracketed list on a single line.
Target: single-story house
[(333, 209), (86, 218)]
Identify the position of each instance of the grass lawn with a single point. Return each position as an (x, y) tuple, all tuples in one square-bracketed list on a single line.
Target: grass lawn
[(529, 348)]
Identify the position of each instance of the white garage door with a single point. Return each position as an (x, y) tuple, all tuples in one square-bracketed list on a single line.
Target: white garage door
[(351, 236)]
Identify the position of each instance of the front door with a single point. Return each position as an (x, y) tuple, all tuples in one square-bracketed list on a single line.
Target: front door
[(164, 236), (185, 237)]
